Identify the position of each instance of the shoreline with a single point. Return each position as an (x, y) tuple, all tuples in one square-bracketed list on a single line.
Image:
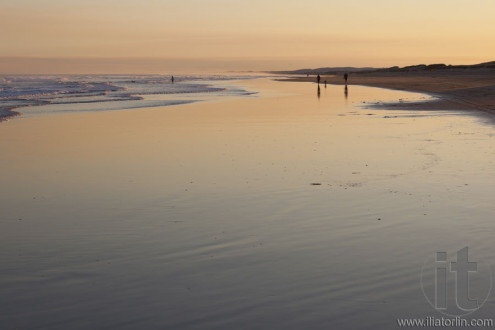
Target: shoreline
[(466, 90), (469, 89), (104, 93)]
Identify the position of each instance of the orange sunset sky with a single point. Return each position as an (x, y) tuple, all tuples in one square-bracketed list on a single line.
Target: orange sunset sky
[(163, 36)]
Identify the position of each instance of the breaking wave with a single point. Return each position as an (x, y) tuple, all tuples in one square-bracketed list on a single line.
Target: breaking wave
[(35, 95)]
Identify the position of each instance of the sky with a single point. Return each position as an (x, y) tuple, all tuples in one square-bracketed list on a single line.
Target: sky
[(161, 36)]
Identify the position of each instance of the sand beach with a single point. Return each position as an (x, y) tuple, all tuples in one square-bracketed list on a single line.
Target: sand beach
[(465, 89), (174, 165), (289, 208)]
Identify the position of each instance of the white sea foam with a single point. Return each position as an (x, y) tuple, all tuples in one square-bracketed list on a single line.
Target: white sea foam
[(34, 95)]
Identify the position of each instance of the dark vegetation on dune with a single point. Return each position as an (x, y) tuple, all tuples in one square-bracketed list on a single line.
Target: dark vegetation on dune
[(411, 68)]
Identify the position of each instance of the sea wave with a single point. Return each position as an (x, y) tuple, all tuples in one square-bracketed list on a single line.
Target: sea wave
[(34, 95)]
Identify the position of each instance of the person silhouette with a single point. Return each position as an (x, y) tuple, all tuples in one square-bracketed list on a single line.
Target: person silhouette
[(325, 84), (318, 79), (172, 79), (345, 77)]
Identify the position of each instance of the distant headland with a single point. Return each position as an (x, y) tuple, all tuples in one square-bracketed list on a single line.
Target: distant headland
[(410, 68)]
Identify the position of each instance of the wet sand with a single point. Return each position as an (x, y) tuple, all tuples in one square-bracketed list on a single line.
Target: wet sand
[(289, 209), (471, 89)]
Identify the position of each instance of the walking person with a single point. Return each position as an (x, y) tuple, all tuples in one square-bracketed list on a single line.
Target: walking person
[(318, 79), (345, 77)]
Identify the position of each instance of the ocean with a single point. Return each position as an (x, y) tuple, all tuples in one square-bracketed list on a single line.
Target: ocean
[(45, 94)]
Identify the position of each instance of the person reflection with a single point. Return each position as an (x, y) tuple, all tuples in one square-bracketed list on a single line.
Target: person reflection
[(346, 92), (318, 93)]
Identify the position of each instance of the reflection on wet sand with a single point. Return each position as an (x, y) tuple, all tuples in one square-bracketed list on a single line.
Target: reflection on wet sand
[(217, 215)]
